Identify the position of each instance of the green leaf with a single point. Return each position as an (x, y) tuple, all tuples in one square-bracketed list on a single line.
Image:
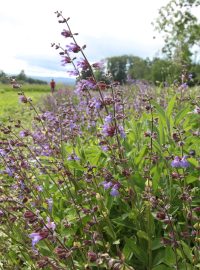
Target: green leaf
[(160, 111), (73, 164), (191, 179), (161, 267), (187, 251), (156, 244), (110, 232), (181, 114), (142, 234), (141, 155), (156, 172), (193, 161), (131, 248), (170, 106), (170, 258)]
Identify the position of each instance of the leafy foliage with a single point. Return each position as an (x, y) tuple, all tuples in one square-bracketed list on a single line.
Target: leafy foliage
[(180, 27)]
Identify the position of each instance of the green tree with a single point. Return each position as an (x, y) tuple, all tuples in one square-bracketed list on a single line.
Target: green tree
[(139, 68), (180, 28), (164, 70), (21, 77), (117, 66)]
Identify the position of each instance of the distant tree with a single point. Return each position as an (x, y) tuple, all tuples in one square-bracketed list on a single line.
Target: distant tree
[(3, 77), (22, 76), (164, 70), (117, 66), (180, 28), (139, 68)]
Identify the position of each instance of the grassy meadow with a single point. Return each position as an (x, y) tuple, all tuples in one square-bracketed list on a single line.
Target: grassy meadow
[(10, 105)]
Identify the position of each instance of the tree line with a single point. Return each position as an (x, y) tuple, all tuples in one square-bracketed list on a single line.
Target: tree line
[(159, 70), (20, 78)]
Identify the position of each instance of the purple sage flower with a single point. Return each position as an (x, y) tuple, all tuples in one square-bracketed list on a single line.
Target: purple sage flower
[(66, 33), (184, 163), (83, 64), (114, 191), (65, 60), (176, 162), (35, 237), (108, 130), (106, 184), (50, 204), (122, 132), (108, 119), (39, 188), (50, 224), (73, 48)]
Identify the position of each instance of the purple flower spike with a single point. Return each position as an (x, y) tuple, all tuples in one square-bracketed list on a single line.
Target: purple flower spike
[(50, 204), (73, 48), (36, 237), (65, 60), (176, 162), (122, 132), (184, 163), (108, 130), (114, 192), (108, 119), (66, 33), (107, 185), (83, 64)]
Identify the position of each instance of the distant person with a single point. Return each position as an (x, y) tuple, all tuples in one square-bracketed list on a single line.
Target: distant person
[(53, 85)]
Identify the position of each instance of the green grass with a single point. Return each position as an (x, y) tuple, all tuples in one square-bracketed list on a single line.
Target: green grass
[(10, 106)]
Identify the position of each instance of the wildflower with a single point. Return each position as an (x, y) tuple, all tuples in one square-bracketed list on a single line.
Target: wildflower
[(196, 110), (102, 85), (183, 86), (65, 60), (2, 152), (23, 99), (114, 191), (85, 85), (9, 171), (83, 64), (95, 103), (35, 237), (73, 48), (39, 188), (105, 148), (50, 225), (50, 204), (108, 130), (180, 162), (176, 162), (122, 132), (98, 65), (73, 72), (106, 184), (66, 33), (24, 133), (108, 119), (1, 213), (62, 253), (184, 163), (92, 256), (73, 157)]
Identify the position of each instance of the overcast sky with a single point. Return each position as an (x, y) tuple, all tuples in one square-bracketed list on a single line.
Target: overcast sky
[(107, 27)]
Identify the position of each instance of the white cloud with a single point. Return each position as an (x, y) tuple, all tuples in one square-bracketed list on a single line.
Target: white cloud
[(106, 27)]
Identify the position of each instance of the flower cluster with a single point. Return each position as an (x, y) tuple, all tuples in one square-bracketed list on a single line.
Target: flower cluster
[(179, 162)]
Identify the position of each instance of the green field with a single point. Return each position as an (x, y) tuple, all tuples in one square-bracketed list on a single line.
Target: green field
[(10, 106)]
